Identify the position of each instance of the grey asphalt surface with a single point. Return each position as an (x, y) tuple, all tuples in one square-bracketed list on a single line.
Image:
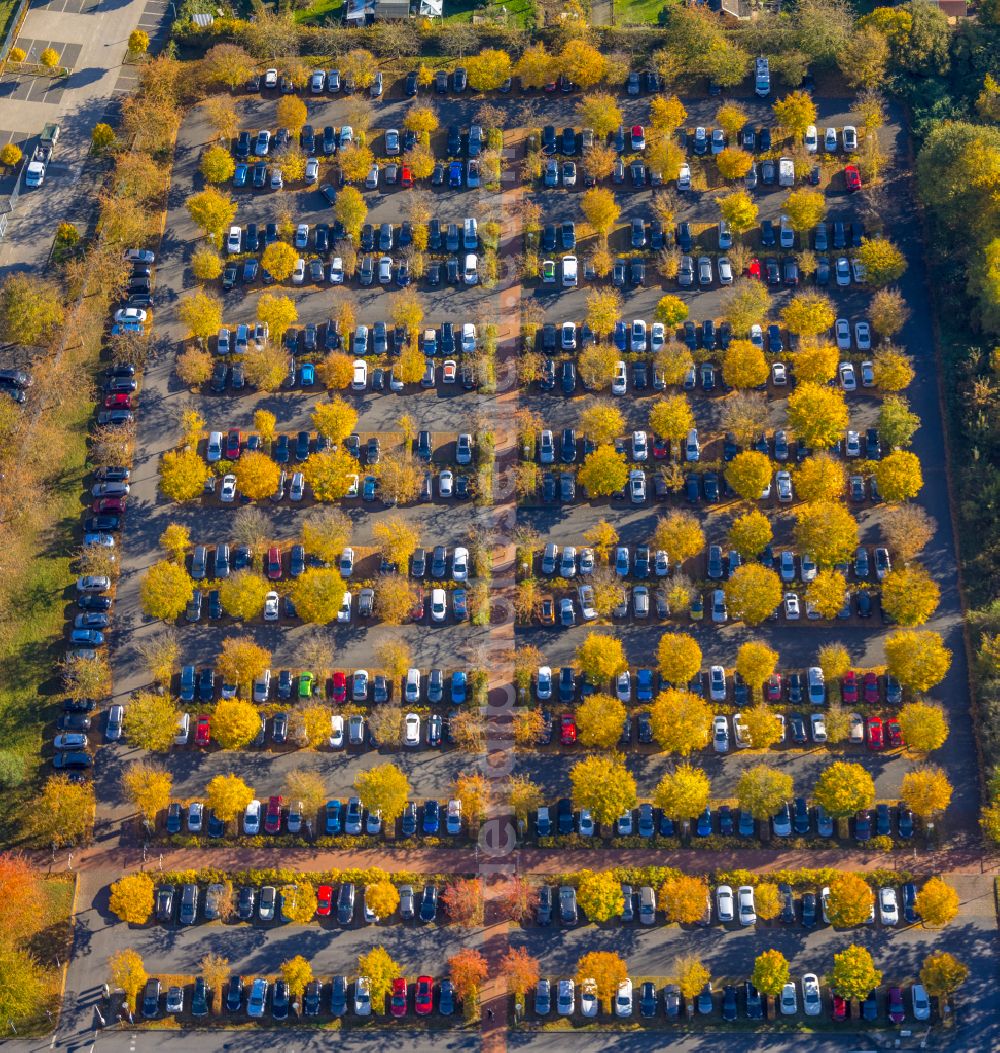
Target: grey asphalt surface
[(449, 523), (164, 400)]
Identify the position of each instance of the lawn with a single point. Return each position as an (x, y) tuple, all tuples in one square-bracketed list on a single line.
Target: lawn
[(50, 944), (7, 10), (638, 12), (30, 644), (462, 10), (320, 13)]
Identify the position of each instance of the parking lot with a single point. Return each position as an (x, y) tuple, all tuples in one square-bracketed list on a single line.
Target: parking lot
[(446, 410)]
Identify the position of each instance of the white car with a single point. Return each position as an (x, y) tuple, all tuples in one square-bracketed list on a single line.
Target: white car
[(336, 731), (779, 374), (811, 139), (789, 999), (842, 331), (720, 613), (131, 314), (251, 819), (228, 492), (637, 486), (808, 568), (640, 446), (620, 382), (830, 142), (888, 906), (792, 610), (863, 336), (271, 607), (657, 336), (852, 447), (585, 594), (271, 78), (812, 1003), (460, 564), (446, 483), (783, 485), (543, 683), (344, 613), (588, 997), (856, 729), (786, 565), (717, 683), (720, 734), (299, 272), (824, 904), (848, 381), (439, 605), (411, 729), (337, 270), (469, 338), (818, 728), (748, 909), (684, 177), (741, 732), (234, 240), (623, 999), (921, 1002), (724, 904), (850, 138), (312, 170), (857, 272), (453, 817), (757, 335), (725, 271), (347, 563), (843, 271), (623, 686)]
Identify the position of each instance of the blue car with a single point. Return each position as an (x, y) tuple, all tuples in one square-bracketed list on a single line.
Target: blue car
[(130, 325), (307, 374), (644, 685), (369, 489), (432, 817), (460, 601), (621, 336), (89, 637), (240, 175), (250, 268), (333, 817), (459, 684), (455, 174)]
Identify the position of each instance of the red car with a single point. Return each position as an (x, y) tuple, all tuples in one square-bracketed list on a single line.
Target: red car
[(849, 688), (893, 734), (423, 997), (406, 176), (202, 731), (753, 271), (567, 729), (839, 1008), (417, 610), (274, 563), (397, 1003), (869, 689), (119, 401), (661, 449), (233, 443), (339, 686), (105, 505), (875, 741), (772, 689), (852, 177), (272, 818), (638, 137), (324, 900)]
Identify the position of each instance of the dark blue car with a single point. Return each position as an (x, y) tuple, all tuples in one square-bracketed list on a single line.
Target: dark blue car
[(432, 817), (455, 174)]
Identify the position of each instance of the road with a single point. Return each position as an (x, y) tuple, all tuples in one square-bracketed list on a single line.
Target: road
[(91, 37)]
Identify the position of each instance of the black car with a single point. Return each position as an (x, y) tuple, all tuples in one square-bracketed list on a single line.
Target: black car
[(568, 377), (543, 912), (429, 903), (647, 999), (454, 139), (245, 903), (809, 909), (151, 999), (754, 1003), (410, 84), (165, 903), (729, 1002), (234, 994), (280, 1000), (311, 998), (787, 899)]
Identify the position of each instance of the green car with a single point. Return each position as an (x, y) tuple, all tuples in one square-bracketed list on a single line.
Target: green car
[(307, 685)]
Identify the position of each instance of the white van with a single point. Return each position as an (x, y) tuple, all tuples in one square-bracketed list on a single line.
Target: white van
[(816, 682), (786, 172), (470, 234), (360, 380), (762, 77), (692, 448), (569, 272), (214, 451)]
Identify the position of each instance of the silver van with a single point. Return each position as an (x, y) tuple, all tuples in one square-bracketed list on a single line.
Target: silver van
[(470, 234), (199, 562), (692, 448), (647, 905), (214, 451)]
